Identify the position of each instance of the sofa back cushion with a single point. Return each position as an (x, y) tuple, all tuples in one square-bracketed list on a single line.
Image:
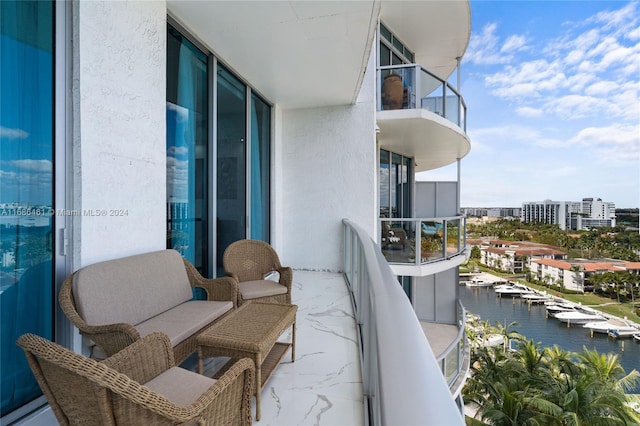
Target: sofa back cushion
[(131, 289)]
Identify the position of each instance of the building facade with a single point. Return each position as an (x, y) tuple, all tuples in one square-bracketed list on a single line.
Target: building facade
[(130, 127), (570, 215), (514, 256), (575, 274)]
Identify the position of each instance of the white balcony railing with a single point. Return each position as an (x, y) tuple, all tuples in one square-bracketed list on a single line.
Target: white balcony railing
[(410, 86), (403, 383)]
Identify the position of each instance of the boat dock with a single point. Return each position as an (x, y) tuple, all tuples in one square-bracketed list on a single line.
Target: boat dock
[(571, 313)]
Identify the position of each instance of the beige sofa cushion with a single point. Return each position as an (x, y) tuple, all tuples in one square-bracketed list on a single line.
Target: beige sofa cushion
[(185, 319), (260, 288), (131, 289), (180, 386)]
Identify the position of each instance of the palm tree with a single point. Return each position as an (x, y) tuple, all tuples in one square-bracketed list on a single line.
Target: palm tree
[(549, 387)]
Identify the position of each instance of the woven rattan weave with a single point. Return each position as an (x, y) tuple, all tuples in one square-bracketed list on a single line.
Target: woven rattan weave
[(251, 331)]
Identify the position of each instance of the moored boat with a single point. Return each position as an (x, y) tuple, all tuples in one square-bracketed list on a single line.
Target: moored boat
[(512, 289), (476, 282), (579, 316), (536, 297), (557, 307), (613, 327)]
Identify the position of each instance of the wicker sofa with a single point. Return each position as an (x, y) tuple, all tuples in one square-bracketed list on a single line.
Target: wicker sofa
[(116, 302)]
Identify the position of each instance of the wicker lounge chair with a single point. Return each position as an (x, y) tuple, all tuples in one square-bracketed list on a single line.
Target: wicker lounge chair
[(251, 262), (138, 386)]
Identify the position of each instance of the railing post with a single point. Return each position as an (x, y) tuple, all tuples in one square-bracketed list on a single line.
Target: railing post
[(444, 98), (417, 70), (444, 239), (378, 86)]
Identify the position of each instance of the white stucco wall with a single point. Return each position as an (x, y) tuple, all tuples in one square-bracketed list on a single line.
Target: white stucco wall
[(327, 175), (327, 172), (119, 95)]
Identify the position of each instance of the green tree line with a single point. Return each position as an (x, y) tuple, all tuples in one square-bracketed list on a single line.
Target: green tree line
[(616, 243)]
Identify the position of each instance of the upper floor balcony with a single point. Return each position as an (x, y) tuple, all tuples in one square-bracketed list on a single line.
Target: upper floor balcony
[(421, 115), (411, 86), (420, 246)]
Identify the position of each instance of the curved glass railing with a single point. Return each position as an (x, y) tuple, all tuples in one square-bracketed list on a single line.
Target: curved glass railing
[(452, 359), (410, 86), (422, 240), (402, 381)]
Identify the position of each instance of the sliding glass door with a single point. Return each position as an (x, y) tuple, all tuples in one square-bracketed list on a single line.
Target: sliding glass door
[(26, 190), (218, 156), (231, 128), (187, 150)]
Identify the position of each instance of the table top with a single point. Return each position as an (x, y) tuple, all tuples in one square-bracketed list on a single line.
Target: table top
[(254, 326)]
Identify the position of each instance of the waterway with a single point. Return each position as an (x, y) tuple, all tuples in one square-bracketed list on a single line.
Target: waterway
[(534, 324)]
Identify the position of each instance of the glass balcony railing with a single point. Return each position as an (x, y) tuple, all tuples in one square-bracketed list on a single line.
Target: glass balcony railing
[(422, 240), (410, 86), (452, 359), (401, 378)]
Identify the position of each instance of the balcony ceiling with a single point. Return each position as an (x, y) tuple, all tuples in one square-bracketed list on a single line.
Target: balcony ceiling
[(433, 141), (295, 53), (314, 53), (437, 31)]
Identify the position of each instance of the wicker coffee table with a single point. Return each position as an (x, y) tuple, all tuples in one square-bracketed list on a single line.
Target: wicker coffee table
[(251, 331)]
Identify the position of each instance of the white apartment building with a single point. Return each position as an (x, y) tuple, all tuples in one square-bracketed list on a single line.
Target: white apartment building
[(589, 213), (187, 125), (515, 256), (574, 274)]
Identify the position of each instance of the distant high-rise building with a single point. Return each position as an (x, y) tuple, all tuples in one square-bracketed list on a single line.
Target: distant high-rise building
[(590, 213)]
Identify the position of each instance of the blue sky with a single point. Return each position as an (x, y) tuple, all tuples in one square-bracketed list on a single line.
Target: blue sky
[(553, 109)]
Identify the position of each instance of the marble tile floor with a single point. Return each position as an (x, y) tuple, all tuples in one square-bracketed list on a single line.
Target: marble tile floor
[(324, 384)]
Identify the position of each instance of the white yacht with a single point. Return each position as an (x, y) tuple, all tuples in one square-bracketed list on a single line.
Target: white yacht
[(613, 327), (476, 282), (554, 307), (512, 290), (536, 297), (579, 316)]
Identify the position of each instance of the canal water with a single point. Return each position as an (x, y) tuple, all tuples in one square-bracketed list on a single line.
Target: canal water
[(533, 323)]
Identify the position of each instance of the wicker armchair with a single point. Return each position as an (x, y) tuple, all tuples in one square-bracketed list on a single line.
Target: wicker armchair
[(138, 386), (250, 263)]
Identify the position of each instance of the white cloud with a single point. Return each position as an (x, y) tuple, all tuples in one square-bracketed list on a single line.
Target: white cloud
[(513, 43), (529, 111), (619, 143), (8, 133), (483, 48), (600, 88), (619, 21), (177, 151), (37, 166), (7, 175), (575, 106)]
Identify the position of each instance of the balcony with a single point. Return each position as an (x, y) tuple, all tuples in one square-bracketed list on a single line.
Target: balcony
[(418, 246), (422, 116), (451, 347), (353, 366), (411, 86)]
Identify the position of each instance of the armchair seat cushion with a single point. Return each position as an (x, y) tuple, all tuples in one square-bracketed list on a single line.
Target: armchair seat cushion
[(180, 386), (184, 320), (260, 288)]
